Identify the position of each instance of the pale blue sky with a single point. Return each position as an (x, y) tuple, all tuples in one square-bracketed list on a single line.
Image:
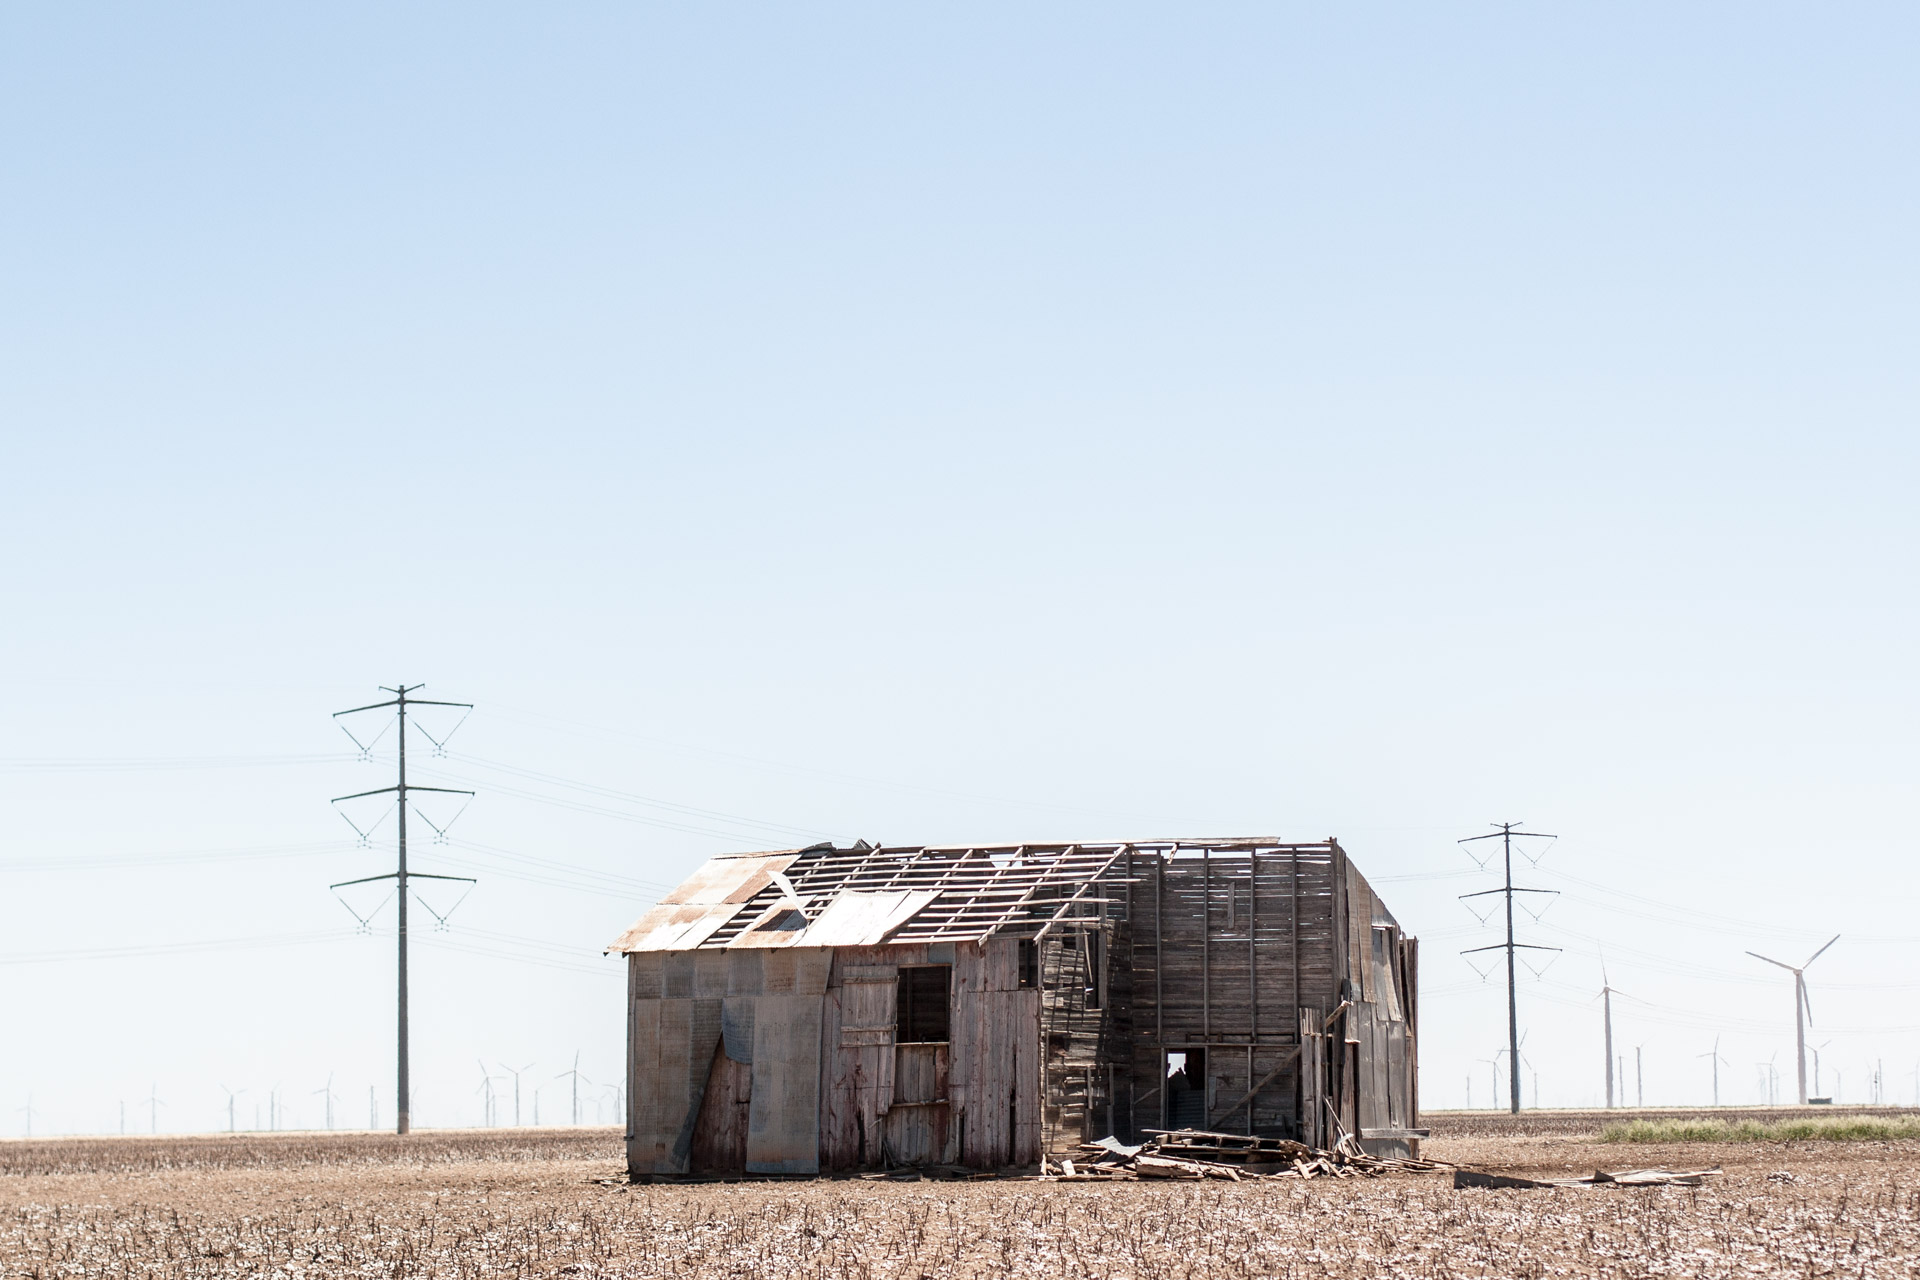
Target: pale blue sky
[(931, 425)]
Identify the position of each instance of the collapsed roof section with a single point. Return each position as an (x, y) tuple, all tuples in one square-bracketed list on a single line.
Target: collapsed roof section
[(866, 895)]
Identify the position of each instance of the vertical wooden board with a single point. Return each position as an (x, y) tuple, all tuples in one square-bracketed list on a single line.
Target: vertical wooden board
[(1001, 957), (836, 1092), (1027, 1065), (783, 1134), (968, 972), (1398, 1112)]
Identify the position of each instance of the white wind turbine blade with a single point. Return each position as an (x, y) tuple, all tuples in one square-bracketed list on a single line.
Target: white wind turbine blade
[(1770, 960), (1822, 951)]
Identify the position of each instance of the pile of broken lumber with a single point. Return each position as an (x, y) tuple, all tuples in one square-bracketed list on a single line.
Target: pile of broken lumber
[(1231, 1157)]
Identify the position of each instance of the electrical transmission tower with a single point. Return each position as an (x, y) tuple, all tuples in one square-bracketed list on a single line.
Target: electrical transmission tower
[(1506, 833), (403, 1097)]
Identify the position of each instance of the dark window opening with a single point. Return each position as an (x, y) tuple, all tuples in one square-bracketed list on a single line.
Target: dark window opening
[(923, 1004), (1029, 964)]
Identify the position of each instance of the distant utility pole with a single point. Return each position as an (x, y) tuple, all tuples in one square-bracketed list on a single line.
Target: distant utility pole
[(1802, 1010), (1506, 833), (403, 1096)]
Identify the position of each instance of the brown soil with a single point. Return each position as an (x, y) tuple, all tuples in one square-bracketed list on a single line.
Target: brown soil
[(547, 1202)]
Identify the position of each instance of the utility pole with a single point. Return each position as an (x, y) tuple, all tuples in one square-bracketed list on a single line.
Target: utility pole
[(1802, 1009), (403, 1096), (1506, 834)]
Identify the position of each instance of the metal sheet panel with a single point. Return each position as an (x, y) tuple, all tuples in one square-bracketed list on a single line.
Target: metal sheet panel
[(856, 919), (708, 899), (783, 1129)]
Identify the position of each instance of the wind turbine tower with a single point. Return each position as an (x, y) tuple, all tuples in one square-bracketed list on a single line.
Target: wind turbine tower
[(1802, 1011)]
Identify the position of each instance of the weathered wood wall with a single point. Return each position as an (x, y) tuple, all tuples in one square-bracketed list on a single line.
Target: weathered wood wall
[(1279, 963), (974, 1100), (1224, 950)]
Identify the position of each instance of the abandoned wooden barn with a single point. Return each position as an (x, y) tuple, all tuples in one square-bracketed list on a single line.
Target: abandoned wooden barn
[(836, 1008)]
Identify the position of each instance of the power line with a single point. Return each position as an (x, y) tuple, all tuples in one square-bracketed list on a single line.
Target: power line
[(179, 857), (403, 1105), (136, 764), (577, 806), (634, 798), (143, 950)]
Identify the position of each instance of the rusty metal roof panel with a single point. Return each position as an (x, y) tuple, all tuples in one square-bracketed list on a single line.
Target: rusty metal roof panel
[(707, 900), (863, 895)]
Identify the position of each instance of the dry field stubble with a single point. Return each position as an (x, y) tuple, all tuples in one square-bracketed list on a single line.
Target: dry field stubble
[(509, 1203)]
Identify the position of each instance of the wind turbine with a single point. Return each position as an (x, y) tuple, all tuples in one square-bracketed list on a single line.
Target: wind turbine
[(1802, 1011), (576, 1077), (1717, 1060), (1606, 995), (515, 1073), (1493, 1065), (1639, 1077), (1818, 1092), (486, 1090), (327, 1093), (231, 1095)]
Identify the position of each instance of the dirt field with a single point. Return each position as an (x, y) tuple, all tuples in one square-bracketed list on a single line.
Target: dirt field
[(553, 1202)]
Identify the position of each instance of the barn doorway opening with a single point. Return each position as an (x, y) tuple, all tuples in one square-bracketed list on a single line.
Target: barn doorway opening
[(1186, 1088)]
